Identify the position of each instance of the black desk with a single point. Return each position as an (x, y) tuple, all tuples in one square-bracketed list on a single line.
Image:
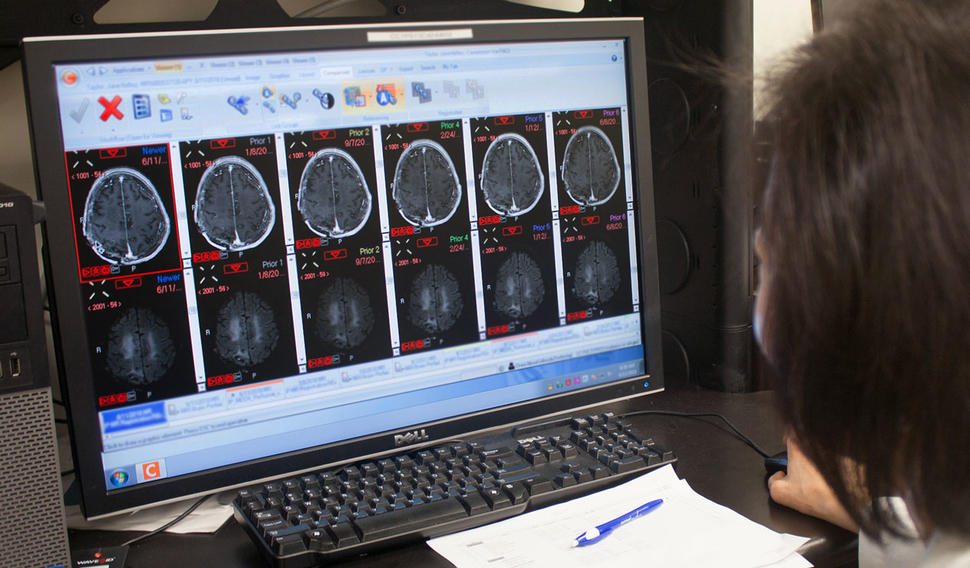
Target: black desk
[(714, 462)]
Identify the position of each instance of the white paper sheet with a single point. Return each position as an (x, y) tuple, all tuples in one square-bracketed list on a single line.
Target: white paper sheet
[(687, 530)]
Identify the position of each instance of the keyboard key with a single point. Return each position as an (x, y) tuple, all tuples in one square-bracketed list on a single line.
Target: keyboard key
[(568, 450), (599, 471), (516, 491), (319, 540), (272, 525), (582, 476), (552, 454), (578, 423), (565, 480), (538, 485), (511, 463), (624, 465), (569, 467), (415, 518), (473, 503), (344, 533), (266, 515), (496, 498), (536, 457), (288, 544), (442, 453)]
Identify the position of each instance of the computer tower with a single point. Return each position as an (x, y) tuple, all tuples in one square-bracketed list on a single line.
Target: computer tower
[(34, 532)]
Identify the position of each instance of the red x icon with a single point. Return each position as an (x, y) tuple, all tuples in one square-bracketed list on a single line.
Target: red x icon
[(110, 108)]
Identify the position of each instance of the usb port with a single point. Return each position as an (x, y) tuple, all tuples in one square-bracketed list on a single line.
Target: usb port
[(14, 366)]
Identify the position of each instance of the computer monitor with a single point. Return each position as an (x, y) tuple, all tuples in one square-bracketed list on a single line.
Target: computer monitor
[(272, 250)]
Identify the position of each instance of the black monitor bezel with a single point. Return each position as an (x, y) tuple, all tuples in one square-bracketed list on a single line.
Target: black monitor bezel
[(41, 54)]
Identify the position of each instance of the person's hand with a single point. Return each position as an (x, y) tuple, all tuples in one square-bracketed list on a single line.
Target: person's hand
[(804, 490)]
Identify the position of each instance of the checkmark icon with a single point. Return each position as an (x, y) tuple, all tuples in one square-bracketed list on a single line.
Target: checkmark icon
[(78, 113)]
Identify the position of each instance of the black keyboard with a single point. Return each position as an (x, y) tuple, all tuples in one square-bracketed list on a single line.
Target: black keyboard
[(322, 516)]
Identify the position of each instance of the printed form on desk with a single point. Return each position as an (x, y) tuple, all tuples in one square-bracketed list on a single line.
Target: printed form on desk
[(686, 530)]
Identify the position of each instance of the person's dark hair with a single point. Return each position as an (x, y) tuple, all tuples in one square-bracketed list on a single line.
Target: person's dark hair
[(866, 226)]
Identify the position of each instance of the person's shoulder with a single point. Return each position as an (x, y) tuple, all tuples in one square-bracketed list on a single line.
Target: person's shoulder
[(949, 550)]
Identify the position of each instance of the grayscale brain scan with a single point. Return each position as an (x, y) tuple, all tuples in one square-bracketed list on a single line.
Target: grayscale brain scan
[(333, 197), (590, 170), (426, 189), (233, 208), (124, 219), (344, 316), (518, 288), (435, 301), (140, 349), (597, 274), (511, 178), (246, 333)]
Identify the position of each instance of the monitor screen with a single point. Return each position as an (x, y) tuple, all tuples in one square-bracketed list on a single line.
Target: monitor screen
[(276, 250)]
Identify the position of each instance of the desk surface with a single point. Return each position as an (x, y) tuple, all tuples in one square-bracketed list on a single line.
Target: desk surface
[(714, 462)]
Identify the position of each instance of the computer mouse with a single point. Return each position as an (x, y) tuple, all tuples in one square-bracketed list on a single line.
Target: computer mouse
[(777, 462)]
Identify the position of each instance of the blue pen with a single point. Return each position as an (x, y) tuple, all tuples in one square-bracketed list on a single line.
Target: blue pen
[(597, 534)]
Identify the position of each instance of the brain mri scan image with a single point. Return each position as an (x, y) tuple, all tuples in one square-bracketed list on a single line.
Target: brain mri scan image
[(233, 208), (512, 180), (435, 301), (140, 349), (246, 333), (590, 170), (518, 288), (333, 197), (124, 219), (426, 187), (344, 314), (597, 274)]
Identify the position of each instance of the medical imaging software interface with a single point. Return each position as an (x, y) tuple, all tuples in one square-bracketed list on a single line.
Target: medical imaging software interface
[(278, 251)]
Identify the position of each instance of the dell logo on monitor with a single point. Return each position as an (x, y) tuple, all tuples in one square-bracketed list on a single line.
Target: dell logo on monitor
[(411, 437)]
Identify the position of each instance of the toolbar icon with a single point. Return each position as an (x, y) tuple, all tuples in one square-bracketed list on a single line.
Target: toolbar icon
[(110, 108), (150, 470), (238, 103), (78, 113), (141, 106), (421, 92), (353, 97), (290, 101), (385, 95), (165, 115), (69, 77), (473, 87), (326, 99)]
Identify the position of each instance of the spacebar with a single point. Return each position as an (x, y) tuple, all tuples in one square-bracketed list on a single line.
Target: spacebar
[(412, 518)]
